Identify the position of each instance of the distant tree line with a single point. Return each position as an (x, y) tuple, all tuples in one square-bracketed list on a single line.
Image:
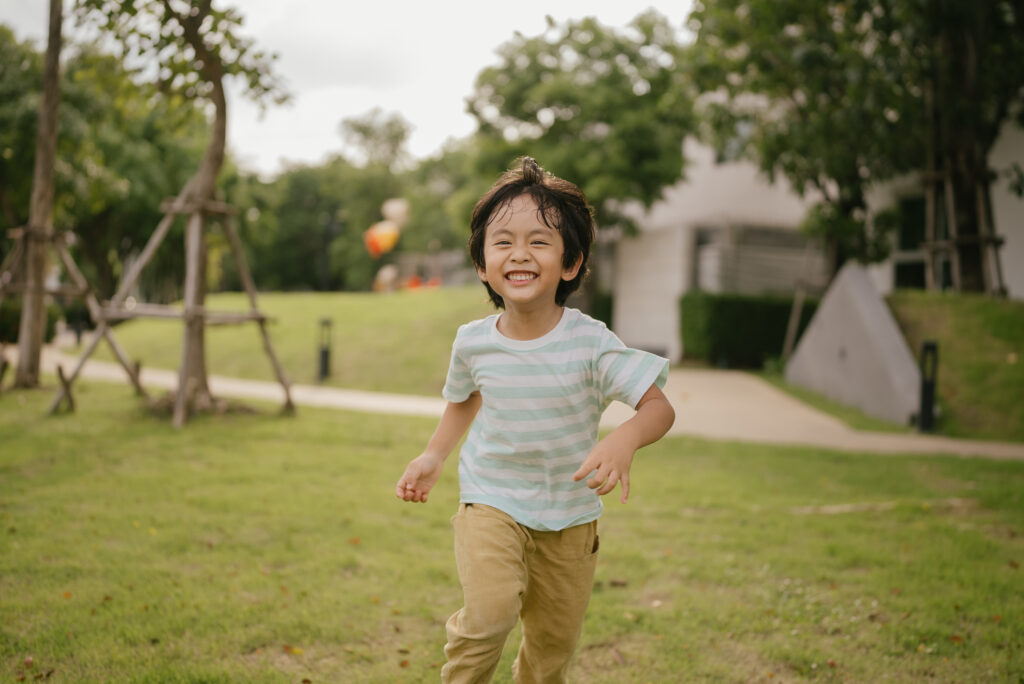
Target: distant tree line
[(832, 95)]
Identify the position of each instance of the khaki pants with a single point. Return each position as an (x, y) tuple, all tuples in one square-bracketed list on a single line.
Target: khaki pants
[(509, 572)]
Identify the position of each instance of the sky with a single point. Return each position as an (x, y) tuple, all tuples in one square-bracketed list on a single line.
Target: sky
[(342, 59)]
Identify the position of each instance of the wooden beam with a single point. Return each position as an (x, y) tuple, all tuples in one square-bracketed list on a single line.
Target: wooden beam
[(111, 313), (250, 288), (89, 349), (207, 207), (193, 238), (66, 387)]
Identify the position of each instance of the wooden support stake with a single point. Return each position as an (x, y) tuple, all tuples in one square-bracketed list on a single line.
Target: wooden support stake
[(250, 288), (3, 370), (193, 236), (66, 389), (89, 349), (954, 254)]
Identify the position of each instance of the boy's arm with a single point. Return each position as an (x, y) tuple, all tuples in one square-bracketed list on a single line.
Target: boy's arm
[(422, 473), (613, 455)]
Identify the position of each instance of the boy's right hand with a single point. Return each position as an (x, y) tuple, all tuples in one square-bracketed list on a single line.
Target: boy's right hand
[(419, 478)]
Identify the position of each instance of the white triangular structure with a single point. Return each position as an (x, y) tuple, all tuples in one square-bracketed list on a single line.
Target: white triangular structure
[(854, 352)]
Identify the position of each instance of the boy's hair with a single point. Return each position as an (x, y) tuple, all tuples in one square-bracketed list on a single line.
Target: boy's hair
[(561, 205)]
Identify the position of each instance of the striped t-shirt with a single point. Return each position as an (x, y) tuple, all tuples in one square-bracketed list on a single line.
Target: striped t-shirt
[(541, 403)]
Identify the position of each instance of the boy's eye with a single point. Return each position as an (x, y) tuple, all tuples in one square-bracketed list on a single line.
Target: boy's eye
[(540, 242)]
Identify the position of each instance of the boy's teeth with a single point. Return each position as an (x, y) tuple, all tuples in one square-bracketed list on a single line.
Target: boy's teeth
[(520, 276)]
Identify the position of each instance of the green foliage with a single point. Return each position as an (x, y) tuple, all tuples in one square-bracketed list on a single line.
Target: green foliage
[(379, 138), (980, 378), (817, 92), (606, 109), (735, 330), (10, 321), (165, 31), (262, 549), (21, 72)]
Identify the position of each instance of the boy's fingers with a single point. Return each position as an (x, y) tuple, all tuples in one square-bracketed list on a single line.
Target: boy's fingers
[(625, 487)]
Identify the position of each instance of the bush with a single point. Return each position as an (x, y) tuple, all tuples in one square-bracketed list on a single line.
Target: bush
[(735, 330), (10, 321)]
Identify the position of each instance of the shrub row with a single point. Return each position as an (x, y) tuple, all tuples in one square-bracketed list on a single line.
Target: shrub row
[(736, 330)]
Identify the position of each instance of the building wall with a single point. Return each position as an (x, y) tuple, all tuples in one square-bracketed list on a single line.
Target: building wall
[(649, 272), (656, 267)]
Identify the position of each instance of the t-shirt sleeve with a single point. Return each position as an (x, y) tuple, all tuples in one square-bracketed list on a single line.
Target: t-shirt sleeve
[(625, 374), (458, 385)]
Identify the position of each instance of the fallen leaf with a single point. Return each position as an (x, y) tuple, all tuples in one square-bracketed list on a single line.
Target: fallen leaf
[(404, 663), (997, 618), (1014, 564), (831, 663), (284, 589), (403, 651), (29, 661), (307, 681), (67, 594), (619, 583), (375, 599), (956, 639), (895, 591), (355, 541)]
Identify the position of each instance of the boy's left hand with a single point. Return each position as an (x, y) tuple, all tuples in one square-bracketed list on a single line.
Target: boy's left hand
[(612, 458)]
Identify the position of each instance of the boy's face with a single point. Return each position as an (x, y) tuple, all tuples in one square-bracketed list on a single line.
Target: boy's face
[(523, 256)]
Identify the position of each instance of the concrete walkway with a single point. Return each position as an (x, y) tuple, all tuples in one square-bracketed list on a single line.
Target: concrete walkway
[(713, 404)]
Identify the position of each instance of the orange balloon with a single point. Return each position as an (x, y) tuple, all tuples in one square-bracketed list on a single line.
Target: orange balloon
[(381, 238)]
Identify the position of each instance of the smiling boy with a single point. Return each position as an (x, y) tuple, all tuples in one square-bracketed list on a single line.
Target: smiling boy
[(530, 384)]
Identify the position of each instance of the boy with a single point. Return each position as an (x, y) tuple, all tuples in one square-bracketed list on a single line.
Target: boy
[(533, 382)]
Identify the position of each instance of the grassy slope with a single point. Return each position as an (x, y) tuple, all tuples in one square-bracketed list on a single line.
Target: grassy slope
[(265, 549), (398, 342), (980, 379)]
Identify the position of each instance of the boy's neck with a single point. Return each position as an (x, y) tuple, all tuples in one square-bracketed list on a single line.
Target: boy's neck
[(529, 324)]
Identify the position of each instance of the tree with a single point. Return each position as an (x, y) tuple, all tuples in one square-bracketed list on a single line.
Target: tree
[(378, 138), (606, 109), (806, 88), (40, 217), (838, 95), (195, 47)]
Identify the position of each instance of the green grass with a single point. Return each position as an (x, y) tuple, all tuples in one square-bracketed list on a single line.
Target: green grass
[(399, 342), (980, 380), (265, 549)]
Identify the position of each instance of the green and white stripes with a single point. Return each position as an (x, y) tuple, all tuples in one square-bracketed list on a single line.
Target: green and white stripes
[(542, 401)]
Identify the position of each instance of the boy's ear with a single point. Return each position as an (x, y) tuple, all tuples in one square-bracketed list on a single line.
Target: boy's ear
[(570, 273), (481, 273)]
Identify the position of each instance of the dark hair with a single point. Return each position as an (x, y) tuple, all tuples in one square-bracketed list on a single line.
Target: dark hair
[(561, 205)]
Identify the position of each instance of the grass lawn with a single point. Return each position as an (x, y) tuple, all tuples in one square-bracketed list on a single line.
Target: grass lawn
[(980, 379), (399, 342), (265, 549)]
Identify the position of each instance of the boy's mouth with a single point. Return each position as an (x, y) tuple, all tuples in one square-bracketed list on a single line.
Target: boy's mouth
[(520, 276)]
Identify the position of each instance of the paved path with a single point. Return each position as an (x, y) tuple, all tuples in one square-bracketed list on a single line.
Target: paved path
[(714, 404)]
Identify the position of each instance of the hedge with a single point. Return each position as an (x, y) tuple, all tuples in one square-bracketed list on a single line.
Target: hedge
[(10, 321), (737, 330)]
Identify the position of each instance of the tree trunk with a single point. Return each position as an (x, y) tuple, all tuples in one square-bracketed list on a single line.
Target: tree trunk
[(40, 217), (194, 375)]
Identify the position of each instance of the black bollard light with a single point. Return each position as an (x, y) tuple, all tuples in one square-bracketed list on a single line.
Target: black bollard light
[(929, 374), (325, 349)]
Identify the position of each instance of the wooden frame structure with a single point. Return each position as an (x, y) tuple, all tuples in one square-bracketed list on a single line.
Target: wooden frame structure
[(8, 270), (121, 307)]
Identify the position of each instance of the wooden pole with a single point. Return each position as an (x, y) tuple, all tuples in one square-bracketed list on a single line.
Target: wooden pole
[(193, 238), (250, 288), (954, 253), (89, 349), (32, 332)]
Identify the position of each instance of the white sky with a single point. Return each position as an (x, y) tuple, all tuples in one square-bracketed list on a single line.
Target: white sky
[(341, 59)]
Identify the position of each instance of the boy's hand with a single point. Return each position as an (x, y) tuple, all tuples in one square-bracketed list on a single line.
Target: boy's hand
[(419, 478), (612, 458)]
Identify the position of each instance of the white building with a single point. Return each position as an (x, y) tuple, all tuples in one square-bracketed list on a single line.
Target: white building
[(725, 227)]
